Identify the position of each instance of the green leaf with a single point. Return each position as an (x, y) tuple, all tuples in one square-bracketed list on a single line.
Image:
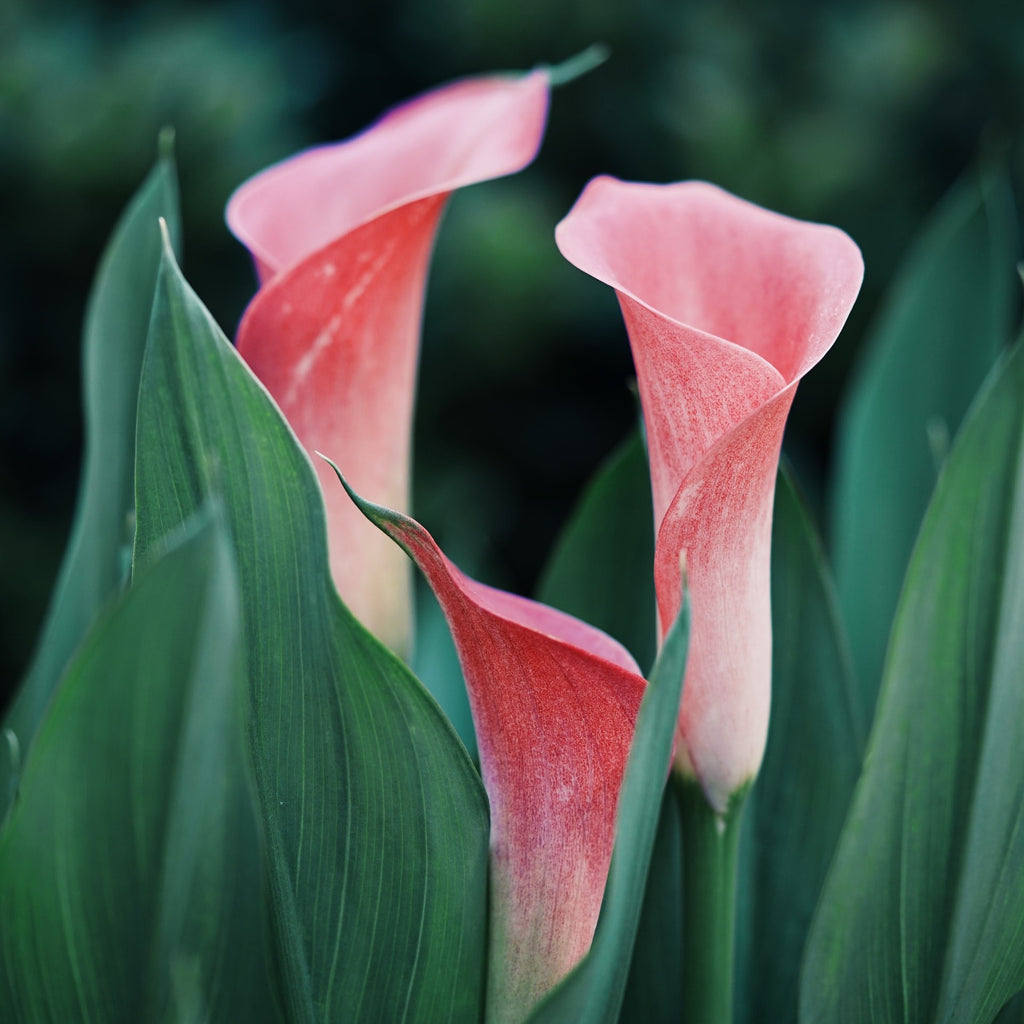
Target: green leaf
[(594, 990), (131, 856), (812, 762), (654, 990), (947, 318), (920, 919), (376, 821), (96, 561), (1013, 1011), (602, 568)]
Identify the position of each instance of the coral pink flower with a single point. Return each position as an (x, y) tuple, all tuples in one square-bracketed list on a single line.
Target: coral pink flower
[(727, 306), (341, 237), (554, 704)]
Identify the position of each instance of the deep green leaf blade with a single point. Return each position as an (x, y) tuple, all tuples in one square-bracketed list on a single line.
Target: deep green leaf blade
[(594, 991), (654, 988), (947, 318), (985, 958), (96, 561), (920, 915), (602, 568), (376, 821), (131, 856), (811, 765)]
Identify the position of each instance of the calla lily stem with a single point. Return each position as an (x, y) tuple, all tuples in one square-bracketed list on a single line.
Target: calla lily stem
[(710, 861)]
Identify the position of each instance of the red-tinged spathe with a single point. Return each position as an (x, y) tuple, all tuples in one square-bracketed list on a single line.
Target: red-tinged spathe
[(554, 705), (341, 237), (727, 305)]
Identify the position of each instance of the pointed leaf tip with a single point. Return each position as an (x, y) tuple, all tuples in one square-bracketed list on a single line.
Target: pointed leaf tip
[(198, 402), (165, 143), (165, 236), (578, 65)]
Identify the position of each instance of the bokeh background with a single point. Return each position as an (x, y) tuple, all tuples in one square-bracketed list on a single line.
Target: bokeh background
[(859, 114)]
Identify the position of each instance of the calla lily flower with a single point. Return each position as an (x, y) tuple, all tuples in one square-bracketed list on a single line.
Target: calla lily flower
[(341, 237), (727, 306), (554, 704)]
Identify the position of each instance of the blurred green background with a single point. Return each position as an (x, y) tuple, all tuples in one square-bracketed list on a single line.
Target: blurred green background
[(859, 114)]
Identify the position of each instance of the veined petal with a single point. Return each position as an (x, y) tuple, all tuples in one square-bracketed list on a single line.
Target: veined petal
[(727, 306), (554, 703), (341, 236)]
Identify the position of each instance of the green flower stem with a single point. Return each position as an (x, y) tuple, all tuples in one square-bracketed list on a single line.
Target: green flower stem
[(710, 847)]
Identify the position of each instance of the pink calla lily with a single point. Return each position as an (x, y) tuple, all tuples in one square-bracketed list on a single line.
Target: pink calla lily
[(554, 704), (341, 237), (727, 305)]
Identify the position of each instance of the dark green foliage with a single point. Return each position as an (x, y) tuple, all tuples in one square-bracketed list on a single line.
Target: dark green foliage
[(920, 917), (130, 875), (98, 554), (812, 761), (375, 819), (947, 318)]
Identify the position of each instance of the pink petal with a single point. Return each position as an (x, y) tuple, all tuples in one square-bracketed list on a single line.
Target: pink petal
[(554, 703), (459, 134), (341, 236), (727, 306)]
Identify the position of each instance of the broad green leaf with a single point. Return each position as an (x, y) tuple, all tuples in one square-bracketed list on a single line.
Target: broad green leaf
[(602, 569), (96, 561), (130, 862), (594, 990), (375, 820), (948, 315), (812, 761), (920, 918)]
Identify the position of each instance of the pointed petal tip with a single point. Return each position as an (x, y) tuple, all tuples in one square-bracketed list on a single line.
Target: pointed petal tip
[(380, 515)]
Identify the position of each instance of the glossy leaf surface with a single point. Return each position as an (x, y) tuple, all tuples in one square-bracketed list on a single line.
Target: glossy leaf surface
[(130, 883), (375, 819), (920, 916)]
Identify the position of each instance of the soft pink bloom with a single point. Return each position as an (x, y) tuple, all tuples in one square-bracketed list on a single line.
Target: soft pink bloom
[(341, 237), (554, 704), (727, 306)]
